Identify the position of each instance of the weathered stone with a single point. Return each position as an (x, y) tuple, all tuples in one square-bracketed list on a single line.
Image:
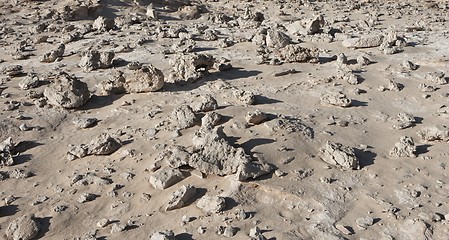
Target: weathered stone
[(114, 85), (435, 133), (404, 148), (164, 235), (183, 117), (23, 228), (165, 178), (181, 197), (103, 144), (207, 103), (92, 59), (146, 79), (67, 92), (295, 53), (255, 117), (210, 120), (54, 54), (277, 39), (103, 24), (338, 155), (6, 155), (12, 70), (364, 41), (314, 25), (211, 204), (336, 99), (190, 67), (245, 97)]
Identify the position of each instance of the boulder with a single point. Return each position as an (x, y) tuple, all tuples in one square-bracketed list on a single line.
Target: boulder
[(340, 156), (67, 92)]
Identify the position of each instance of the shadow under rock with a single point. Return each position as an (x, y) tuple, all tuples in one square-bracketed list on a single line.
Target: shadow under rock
[(365, 157), (357, 103), (23, 158), (8, 210), (184, 236), (45, 227), (96, 102), (252, 143), (421, 149), (260, 100), (233, 74), (26, 145)]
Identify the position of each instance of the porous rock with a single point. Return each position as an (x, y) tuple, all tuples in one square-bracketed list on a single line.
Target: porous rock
[(336, 99), (190, 67), (364, 41), (103, 144), (146, 79), (67, 92), (54, 54), (206, 104), (338, 155), (103, 24), (114, 85), (404, 148), (24, 228), (245, 97), (277, 39), (314, 25), (92, 59), (434, 133), (255, 117), (183, 117), (163, 235), (6, 155), (295, 53)]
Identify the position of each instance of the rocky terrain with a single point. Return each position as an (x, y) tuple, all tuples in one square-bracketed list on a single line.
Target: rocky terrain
[(217, 119)]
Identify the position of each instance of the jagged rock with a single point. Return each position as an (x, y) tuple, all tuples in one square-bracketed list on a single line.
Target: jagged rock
[(175, 156), (146, 79), (210, 119), (435, 133), (336, 99), (24, 228), (88, 179), (114, 85), (314, 25), (181, 197), (392, 86), (189, 12), (351, 78), (290, 125), (18, 173), (436, 77), (92, 59), (211, 204), (104, 144), (342, 59), (183, 117), (256, 234), (85, 122), (31, 81), (295, 53), (86, 197), (75, 152), (414, 229), (362, 60), (207, 103), (12, 70), (338, 155), (229, 231), (253, 170), (404, 120), (404, 148), (103, 24), (67, 92), (255, 117), (6, 155), (190, 67), (54, 54), (164, 235), (277, 39), (409, 65), (364, 41), (245, 97), (165, 178)]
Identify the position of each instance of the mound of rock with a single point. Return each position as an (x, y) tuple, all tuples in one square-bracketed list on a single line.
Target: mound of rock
[(211, 204), (295, 53), (12, 70), (6, 155), (335, 99), (206, 104), (103, 144), (103, 24), (367, 41), (114, 85), (190, 67), (435, 133), (54, 54), (181, 197), (404, 148), (277, 39), (166, 177), (338, 155), (92, 59), (164, 235), (146, 79), (67, 92), (183, 117), (24, 228)]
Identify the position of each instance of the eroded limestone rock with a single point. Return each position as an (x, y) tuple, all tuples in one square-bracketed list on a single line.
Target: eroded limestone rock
[(338, 155)]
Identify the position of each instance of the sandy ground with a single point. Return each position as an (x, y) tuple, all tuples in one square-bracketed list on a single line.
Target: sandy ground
[(391, 132)]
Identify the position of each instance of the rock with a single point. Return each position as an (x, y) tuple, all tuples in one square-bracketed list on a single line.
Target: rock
[(295, 53), (189, 12), (85, 122), (54, 54), (409, 65), (245, 97), (86, 197), (12, 70), (92, 59), (67, 92), (404, 120), (207, 103), (436, 77), (364, 222), (190, 67), (165, 178), (103, 223), (146, 79), (314, 25), (277, 39), (286, 124), (181, 197), (253, 170), (31, 81), (336, 99), (117, 227), (103, 24), (114, 85), (435, 133), (342, 59), (414, 229), (6, 152), (210, 120), (211, 204), (75, 152), (363, 61), (230, 231), (338, 155), (23, 228), (183, 117), (103, 144), (404, 148), (343, 229), (256, 234), (164, 235), (364, 41), (255, 117)]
